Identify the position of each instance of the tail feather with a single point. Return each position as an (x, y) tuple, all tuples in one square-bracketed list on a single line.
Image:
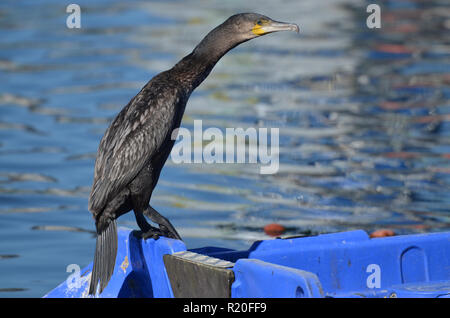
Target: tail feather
[(105, 257)]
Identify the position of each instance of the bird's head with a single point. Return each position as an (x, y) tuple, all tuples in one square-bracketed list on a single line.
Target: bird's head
[(235, 30), (246, 26)]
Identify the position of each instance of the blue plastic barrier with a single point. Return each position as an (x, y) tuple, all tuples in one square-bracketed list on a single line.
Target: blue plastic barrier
[(347, 264)]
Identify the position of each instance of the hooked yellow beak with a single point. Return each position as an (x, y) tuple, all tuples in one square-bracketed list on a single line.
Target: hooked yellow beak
[(265, 27)]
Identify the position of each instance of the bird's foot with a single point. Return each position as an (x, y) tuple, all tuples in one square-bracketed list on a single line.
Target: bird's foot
[(168, 233), (164, 224)]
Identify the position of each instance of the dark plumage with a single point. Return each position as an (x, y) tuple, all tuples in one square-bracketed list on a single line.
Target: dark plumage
[(137, 143)]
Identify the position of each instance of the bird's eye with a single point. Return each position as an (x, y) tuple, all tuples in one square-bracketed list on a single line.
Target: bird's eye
[(259, 22)]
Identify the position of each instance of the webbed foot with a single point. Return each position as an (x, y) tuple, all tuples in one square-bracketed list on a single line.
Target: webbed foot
[(153, 233), (164, 224)]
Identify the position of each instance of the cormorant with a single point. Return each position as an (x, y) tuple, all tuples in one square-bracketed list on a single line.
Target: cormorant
[(136, 145)]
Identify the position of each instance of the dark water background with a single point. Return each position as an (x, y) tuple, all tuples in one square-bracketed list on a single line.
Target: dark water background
[(364, 118)]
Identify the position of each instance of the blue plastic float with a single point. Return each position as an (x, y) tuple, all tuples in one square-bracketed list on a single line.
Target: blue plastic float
[(347, 264)]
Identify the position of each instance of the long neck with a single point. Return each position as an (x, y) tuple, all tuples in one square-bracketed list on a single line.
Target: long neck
[(193, 69)]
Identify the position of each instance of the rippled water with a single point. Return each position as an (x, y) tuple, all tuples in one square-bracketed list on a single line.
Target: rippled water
[(364, 118)]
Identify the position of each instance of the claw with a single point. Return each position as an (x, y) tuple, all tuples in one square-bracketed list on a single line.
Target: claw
[(168, 233), (153, 233), (165, 226), (148, 235)]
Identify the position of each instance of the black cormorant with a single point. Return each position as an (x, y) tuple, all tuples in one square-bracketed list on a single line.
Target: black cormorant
[(136, 145)]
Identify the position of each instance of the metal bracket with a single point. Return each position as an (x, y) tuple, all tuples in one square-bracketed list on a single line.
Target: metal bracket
[(194, 275)]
